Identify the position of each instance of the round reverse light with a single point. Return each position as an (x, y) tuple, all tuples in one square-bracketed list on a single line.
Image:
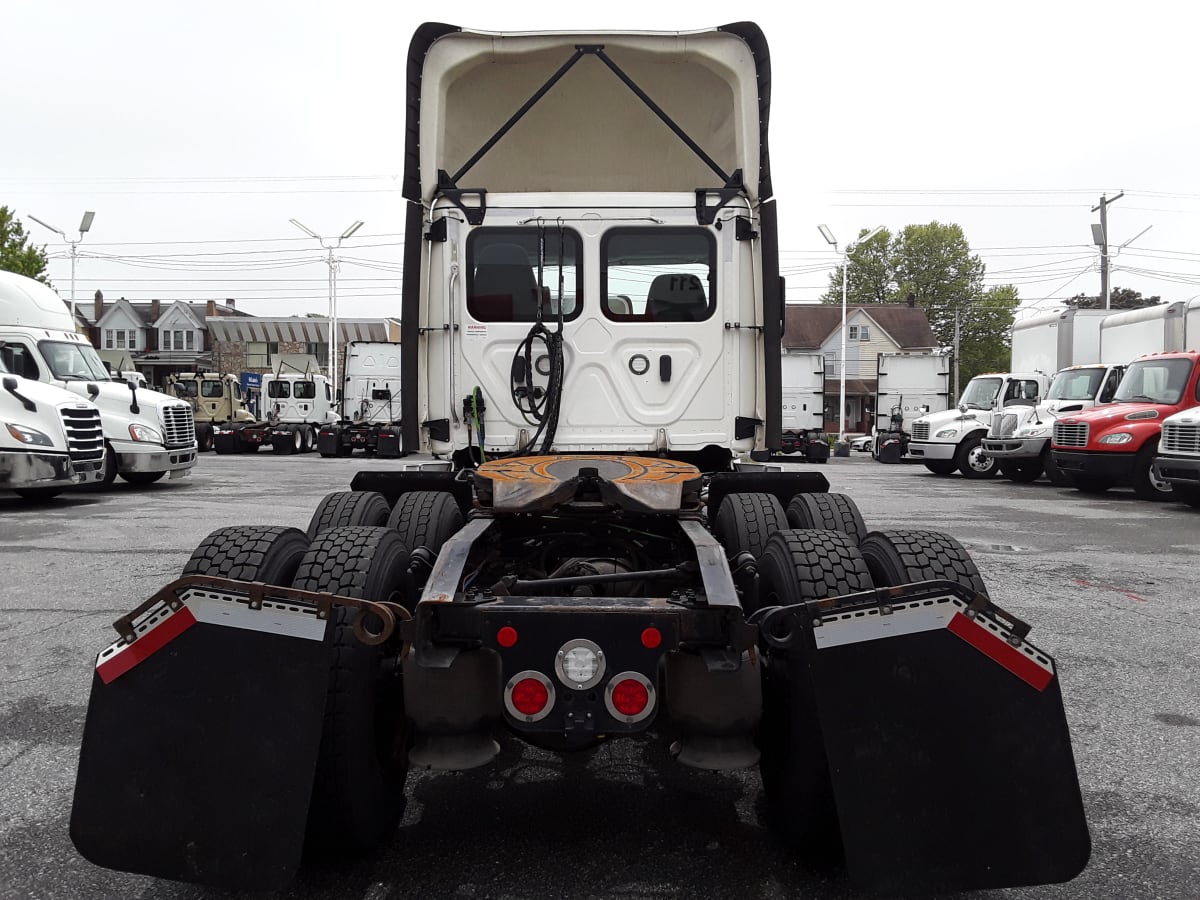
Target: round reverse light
[(579, 664), (629, 697), (529, 696)]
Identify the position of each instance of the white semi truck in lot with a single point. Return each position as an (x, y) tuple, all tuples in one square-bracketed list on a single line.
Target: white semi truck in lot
[(909, 386), (50, 439), (1178, 460), (803, 391), (371, 404), (591, 245), (296, 406), (147, 435)]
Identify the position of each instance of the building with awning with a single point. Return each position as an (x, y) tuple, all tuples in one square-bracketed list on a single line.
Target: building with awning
[(295, 343)]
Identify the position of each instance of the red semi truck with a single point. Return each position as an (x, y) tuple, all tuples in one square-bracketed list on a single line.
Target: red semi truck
[(1117, 443)]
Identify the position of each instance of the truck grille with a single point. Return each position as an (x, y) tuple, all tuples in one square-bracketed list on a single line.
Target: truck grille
[(920, 431), (179, 428), (1070, 434), (1003, 426), (85, 436), (1180, 438)]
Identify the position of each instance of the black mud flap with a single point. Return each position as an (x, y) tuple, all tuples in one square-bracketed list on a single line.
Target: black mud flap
[(947, 743), (201, 741)]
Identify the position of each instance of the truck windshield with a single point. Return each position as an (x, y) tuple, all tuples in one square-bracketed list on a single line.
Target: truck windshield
[(980, 393), (304, 390), (279, 390), (1077, 384), (73, 362), (210, 389), (1154, 381)]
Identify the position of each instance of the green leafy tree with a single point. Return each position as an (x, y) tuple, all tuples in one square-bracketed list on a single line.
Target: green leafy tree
[(16, 253), (934, 264), (1118, 298)]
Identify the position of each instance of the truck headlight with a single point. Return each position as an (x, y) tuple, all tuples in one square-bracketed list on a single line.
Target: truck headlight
[(946, 432), (1117, 437), (29, 435), (144, 433)]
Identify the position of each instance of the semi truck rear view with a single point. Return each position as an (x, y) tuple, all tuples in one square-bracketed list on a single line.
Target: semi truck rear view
[(591, 331)]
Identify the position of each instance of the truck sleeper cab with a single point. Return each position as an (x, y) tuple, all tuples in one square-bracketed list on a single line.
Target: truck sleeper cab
[(1117, 443)]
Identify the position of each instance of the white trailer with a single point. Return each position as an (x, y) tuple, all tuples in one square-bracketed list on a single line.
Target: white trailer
[(370, 404), (1056, 340), (803, 379), (1127, 335)]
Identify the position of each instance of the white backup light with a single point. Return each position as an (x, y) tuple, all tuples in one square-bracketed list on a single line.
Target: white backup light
[(579, 664)]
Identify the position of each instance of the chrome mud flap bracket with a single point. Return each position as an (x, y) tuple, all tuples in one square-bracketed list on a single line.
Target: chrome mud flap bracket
[(948, 748), (202, 735)]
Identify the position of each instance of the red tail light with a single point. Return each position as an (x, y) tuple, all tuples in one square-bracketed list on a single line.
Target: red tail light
[(629, 697), (529, 696)]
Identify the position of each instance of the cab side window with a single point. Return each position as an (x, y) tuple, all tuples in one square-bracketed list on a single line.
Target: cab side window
[(1110, 386), (19, 361)]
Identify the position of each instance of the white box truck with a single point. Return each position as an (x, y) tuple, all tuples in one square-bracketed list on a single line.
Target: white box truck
[(147, 434), (50, 439), (1066, 342)]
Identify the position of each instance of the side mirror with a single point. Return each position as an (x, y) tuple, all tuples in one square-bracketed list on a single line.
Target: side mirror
[(93, 390)]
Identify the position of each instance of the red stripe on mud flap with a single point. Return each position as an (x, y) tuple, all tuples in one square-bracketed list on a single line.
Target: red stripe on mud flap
[(1001, 651), (149, 643)]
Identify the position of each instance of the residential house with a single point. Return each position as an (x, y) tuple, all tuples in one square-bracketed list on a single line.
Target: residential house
[(870, 331)]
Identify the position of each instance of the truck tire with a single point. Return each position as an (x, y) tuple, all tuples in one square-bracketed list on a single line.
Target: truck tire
[(745, 522), (896, 558), (1056, 475), (795, 567), (1146, 484), (830, 512), (142, 477), (109, 476), (969, 459), (266, 553), (1023, 471), (941, 466), (343, 508), (362, 766), (1188, 494), (425, 519), (308, 438), (204, 437)]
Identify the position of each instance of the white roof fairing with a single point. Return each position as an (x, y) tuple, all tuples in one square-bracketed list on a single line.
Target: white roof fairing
[(298, 331), (590, 131)]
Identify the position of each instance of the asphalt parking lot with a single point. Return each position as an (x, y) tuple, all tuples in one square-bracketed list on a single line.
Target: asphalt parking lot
[(1110, 584)]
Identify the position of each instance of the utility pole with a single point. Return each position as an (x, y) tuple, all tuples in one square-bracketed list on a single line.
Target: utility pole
[(1101, 240), (956, 337)]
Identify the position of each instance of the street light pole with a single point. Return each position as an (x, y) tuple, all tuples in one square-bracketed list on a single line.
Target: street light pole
[(85, 225), (850, 248), (332, 262)]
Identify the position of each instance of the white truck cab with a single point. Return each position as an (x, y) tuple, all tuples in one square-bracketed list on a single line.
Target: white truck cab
[(147, 434), (953, 439), (1178, 459), (296, 405), (1020, 438), (50, 439)]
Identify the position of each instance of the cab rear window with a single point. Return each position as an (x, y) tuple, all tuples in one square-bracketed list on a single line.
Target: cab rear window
[(658, 274), (503, 281)]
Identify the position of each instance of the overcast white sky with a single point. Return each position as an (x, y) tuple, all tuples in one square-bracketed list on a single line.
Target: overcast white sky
[(197, 131)]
